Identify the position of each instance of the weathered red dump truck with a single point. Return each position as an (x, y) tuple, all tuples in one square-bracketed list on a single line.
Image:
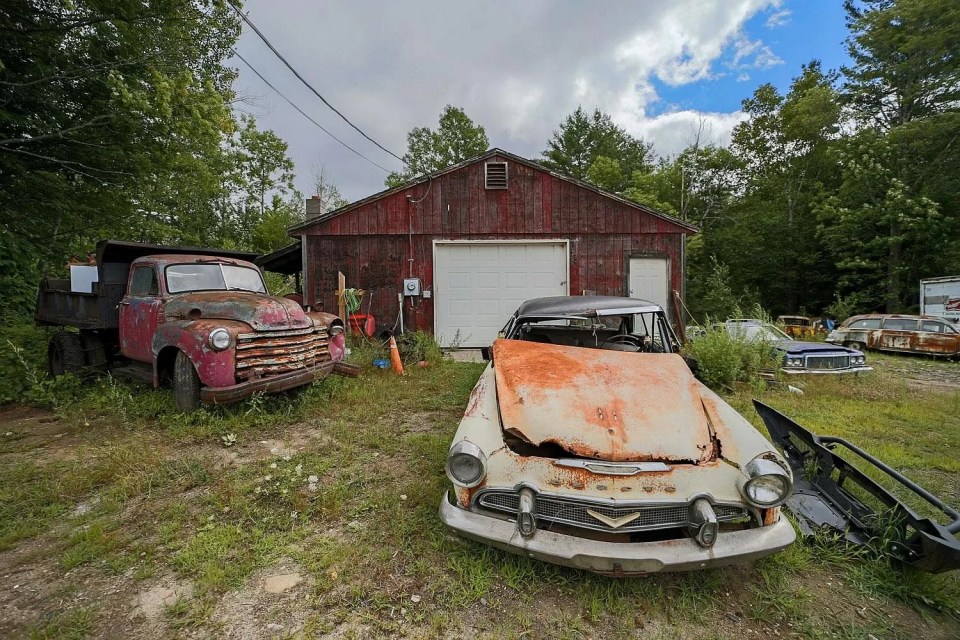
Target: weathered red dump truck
[(199, 319)]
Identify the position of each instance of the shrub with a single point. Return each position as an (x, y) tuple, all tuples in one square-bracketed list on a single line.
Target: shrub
[(417, 346), (23, 360), (725, 359)]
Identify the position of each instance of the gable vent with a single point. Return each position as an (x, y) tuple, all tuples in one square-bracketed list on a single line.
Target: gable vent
[(496, 175)]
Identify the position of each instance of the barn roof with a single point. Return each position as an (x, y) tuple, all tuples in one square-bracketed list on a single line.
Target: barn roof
[(483, 156)]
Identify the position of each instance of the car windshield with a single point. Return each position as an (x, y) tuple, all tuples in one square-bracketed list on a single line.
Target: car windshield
[(213, 277), (755, 331), (647, 331)]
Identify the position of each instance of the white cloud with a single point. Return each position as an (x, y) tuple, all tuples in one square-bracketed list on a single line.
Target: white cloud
[(517, 68), (778, 18)]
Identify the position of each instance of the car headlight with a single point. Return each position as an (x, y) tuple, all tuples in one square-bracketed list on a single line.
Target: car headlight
[(466, 464), (219, 339), (860, 359), (335, 330), (768, 483), (794, 362)]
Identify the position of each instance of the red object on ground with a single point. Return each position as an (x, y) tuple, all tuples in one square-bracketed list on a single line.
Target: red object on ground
[(362, 323)]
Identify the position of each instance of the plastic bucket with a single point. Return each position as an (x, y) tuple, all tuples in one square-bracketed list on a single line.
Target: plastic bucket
[(362, 323)]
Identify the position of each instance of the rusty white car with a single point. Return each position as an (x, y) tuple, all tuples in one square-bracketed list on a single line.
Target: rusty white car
[(588, 442)]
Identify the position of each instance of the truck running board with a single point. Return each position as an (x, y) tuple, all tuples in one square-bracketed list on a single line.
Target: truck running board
[(830, 492)]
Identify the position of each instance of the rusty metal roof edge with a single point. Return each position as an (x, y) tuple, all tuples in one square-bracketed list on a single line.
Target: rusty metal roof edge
[(495, 151)]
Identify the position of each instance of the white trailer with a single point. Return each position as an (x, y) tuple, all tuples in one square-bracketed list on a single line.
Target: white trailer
[(941, 297)]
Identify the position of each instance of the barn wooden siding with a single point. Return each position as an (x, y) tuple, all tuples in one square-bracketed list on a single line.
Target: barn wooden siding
[(372, 244)]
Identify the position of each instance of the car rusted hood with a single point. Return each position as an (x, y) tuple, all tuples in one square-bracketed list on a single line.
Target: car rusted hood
[(607, 405), (261, 312)]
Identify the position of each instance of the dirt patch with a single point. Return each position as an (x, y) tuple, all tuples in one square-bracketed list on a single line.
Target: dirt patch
[(923, 373), (274, 602)]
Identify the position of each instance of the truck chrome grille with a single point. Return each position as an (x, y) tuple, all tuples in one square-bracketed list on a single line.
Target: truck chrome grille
[(828, 362), (570, 511), (272, 353)]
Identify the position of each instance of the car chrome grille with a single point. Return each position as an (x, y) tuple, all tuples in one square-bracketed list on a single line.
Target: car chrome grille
[(828, 362), (574, 512), (262, 354)]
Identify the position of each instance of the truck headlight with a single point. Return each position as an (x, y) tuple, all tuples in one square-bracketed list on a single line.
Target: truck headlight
[(466, 464), (335, 330), (219, 339), (768, 483)]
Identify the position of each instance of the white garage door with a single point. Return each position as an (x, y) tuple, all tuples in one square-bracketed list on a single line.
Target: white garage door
[(648, 281), (478, 286)]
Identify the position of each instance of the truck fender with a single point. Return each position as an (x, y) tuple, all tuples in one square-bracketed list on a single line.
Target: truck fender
[(215, 368), (338, 342)]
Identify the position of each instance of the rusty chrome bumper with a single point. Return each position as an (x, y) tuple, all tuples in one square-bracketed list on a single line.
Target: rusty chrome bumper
[(614, 558), (273, 384)]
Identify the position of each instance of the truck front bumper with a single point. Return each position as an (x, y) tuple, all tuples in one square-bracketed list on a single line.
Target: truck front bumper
[(619, 558), (273, 384)]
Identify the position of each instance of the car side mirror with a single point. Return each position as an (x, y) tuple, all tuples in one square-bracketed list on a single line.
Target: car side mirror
[(485, 354)]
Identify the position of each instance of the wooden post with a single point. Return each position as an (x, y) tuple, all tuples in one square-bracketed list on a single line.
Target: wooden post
[(341, 307)]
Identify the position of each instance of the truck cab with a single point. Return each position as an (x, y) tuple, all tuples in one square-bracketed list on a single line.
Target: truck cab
[(201, 320)]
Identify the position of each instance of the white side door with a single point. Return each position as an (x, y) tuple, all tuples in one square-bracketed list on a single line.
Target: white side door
[(649, 281)]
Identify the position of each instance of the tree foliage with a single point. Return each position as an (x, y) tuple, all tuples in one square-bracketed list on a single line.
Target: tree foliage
[(116, 120), (591, 147), (456, 139)]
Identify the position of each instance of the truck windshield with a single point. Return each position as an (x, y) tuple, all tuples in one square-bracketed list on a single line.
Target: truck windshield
[(213, 277)]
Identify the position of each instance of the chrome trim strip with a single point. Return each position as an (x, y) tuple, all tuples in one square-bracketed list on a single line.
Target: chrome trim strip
[(612, 468)]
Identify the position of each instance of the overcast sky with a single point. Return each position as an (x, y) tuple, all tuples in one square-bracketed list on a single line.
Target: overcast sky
[(518, 68)]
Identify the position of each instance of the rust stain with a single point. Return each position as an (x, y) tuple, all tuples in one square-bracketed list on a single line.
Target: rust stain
[(602, 404), (476, 397)]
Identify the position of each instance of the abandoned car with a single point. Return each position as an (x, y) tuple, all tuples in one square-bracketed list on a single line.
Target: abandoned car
[(903, 333), (798, 326), (797, 357), (588, 442)]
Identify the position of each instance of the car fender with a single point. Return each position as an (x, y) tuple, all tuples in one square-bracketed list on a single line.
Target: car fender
[(215, 368), (338, 343)]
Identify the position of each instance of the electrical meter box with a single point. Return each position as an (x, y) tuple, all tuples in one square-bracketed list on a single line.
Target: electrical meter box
[(411, 286)]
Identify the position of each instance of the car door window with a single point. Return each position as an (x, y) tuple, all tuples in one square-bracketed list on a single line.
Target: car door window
[(144, 283), (900, 324), (933, 327), (869, 323)]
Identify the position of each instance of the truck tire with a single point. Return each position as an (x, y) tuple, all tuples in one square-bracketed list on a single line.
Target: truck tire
[(65, 354), (186, 384), (95, 352)]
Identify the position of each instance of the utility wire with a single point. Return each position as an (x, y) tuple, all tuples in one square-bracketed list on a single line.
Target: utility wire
[(303, 113), (307, 84)]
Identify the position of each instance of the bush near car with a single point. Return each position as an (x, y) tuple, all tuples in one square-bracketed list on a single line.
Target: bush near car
[(724, 359)]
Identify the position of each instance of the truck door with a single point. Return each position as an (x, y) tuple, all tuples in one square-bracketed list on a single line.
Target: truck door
[(139, 314)]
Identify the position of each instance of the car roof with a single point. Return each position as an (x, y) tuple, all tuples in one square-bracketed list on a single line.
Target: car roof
[(585, 306), (898, 316)]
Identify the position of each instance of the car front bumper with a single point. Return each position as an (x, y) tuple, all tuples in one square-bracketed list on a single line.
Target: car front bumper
[(273, 384), (614, 558), (820, 372)]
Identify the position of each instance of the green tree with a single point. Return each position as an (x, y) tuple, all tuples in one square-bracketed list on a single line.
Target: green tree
[(768, 237), (456, 139), (582, 140), (906, 64), (112, 118), (896, 212)]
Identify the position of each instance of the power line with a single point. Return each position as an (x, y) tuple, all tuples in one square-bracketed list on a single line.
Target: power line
[(307, 84), (304, 114)]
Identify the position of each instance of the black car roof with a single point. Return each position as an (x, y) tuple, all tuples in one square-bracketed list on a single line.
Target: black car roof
[(584, 306)]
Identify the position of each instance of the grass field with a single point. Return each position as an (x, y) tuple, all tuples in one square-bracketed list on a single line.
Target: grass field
[(119, 518)]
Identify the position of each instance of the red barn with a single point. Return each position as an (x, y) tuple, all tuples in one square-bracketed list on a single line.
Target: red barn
[(466, 245)]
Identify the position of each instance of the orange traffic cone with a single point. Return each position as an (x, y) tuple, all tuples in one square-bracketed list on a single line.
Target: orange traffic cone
[(395, 357)]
